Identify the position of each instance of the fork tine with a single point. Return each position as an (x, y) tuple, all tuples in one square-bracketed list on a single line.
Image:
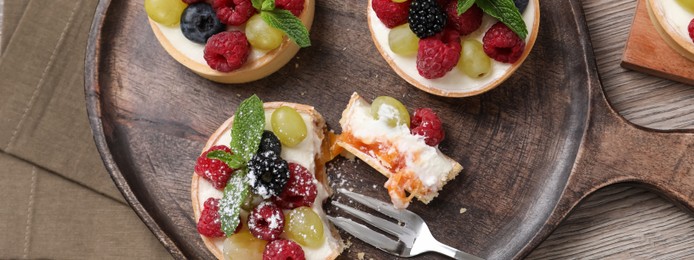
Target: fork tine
[(382, 207), (366, 234), (403, 233)]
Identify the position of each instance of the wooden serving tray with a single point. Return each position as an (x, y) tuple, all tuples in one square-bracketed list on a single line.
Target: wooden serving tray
[(532, 148)]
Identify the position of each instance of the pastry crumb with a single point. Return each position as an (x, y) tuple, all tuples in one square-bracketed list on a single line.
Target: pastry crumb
[(348, 244), (463, 210), (360, 255)]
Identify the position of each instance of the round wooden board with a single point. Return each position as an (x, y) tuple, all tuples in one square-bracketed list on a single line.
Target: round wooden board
[(532, 148)]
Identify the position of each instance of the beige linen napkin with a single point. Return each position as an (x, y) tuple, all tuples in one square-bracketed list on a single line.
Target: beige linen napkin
[(57, 199)]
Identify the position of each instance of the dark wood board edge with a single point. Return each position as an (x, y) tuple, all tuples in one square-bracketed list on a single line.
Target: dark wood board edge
[(583, 180), (94, 113), (605, 123), (667, 64)]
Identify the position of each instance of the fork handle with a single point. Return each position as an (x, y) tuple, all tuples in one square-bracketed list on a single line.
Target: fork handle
[(452, 252)]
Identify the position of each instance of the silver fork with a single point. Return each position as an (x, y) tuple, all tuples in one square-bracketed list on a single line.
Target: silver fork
[(414, 237)]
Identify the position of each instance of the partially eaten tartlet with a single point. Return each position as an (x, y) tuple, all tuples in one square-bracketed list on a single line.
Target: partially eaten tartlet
[(260, 183), (404, 150)]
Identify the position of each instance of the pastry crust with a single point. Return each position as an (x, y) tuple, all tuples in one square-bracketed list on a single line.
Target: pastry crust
[(425, 196), (321, 175), (253, 69)]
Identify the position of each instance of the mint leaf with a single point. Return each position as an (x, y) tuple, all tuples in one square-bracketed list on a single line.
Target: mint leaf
[(289, 24), (268, 5), (234, 161), (463, 5), (506, 12), (247, 130), (235, 194), (257, 4)]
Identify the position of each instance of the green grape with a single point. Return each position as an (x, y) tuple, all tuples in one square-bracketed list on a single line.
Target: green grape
[(399, 1), (395, 112), (261, 35), (473, 61), (402, 40), (166, 12), (304, 226), (687, 5), (244, 245), (288, 126)]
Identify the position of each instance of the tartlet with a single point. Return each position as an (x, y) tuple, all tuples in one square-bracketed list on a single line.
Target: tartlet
[(454, 83), (671, 21), (319, 141), (259, 65)]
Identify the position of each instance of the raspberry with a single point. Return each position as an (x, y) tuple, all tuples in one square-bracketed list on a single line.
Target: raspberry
[(690, 28), (209, 224), (192, 1), (213, 170), (467, 22), (300, 190), (267, 173), (233, 12), (438, 54), (266, 221), (227, 51), (426, 123), (294, 6), (282, 250), (502, 44), (444, 3), (426, 18), (391, 13)]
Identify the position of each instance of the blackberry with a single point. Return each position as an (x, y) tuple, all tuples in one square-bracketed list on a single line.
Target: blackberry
[(199, 22), (426, 18), (270, 142), (267, 173)]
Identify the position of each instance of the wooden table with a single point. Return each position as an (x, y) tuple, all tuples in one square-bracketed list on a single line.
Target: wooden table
[(623, 221)]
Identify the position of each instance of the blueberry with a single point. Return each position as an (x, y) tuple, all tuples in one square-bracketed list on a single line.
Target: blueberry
[(521, 5), (199, 22), (269, 141)]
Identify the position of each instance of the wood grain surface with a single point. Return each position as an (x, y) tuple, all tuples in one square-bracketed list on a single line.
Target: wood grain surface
[(647, 52), (627, 222), (148, 149)]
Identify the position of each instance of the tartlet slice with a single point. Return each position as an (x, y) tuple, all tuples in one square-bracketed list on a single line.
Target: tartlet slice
[(312, 153), (411, 165)]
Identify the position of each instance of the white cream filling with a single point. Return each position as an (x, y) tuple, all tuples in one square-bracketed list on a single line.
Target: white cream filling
[(427, 162), (676, 17), (455, 80), (195, 51), (303, 154)]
